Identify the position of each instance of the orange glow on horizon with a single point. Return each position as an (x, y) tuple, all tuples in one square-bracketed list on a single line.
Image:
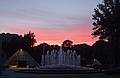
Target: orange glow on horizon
[(60, 42), (52, 37)]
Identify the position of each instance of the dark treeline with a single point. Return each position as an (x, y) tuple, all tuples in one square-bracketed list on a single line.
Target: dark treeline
[(106, 24), (100, 50)]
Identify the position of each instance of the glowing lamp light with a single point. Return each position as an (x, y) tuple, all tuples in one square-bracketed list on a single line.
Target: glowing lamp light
[(13, 66)]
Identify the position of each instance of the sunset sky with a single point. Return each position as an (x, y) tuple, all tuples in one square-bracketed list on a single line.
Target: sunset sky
[(52, 21)]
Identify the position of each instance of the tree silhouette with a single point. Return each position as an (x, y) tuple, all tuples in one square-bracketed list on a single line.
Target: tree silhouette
[(39, 50), (10, 43), (107, 24), (67, 44), (54, 47), (85, 51), (28, 40), (102, 52)]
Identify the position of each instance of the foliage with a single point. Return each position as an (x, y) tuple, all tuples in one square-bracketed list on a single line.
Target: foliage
[(10, 43), (85, 51), (107, 20), (103, 52), (107, 25), (29, 39), (67, 44)]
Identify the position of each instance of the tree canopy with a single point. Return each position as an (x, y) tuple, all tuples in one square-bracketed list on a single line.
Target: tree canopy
[(107, 20), (67, 43), (29, 39), (107, 25)]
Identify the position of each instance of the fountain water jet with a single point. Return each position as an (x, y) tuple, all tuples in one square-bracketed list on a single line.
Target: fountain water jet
[(60, 58)]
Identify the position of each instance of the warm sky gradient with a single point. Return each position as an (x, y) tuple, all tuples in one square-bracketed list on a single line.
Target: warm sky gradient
[(52, 21)]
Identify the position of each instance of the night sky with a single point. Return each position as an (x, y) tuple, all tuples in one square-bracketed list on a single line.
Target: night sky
[(52, 21)]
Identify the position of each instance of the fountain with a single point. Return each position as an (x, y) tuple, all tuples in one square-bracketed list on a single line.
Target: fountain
[(60, 59), (53, 62)]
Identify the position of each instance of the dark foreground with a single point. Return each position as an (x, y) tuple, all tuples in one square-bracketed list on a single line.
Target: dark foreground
[(58, 71), (39, 74), (64, 76)]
